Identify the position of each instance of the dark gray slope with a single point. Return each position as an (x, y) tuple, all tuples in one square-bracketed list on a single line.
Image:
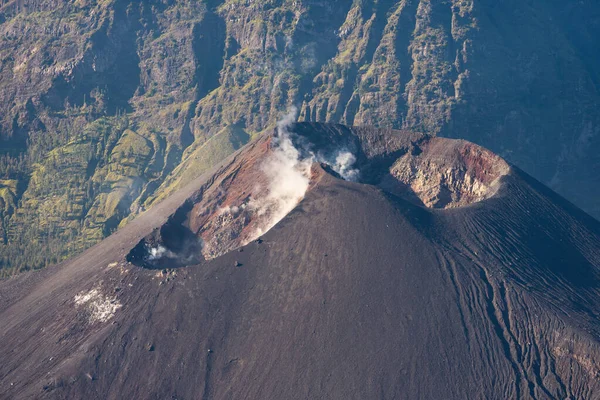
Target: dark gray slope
[(356, 294)]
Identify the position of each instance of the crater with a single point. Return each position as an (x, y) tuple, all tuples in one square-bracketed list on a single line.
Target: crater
[(173, 245), (271, 175), (445, 173)]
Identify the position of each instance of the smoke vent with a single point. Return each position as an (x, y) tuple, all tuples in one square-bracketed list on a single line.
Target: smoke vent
[(173, 245)]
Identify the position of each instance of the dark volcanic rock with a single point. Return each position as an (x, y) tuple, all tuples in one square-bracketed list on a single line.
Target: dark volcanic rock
[(357, 293)]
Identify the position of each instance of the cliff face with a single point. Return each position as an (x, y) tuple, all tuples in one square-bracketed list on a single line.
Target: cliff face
[(108, 106)]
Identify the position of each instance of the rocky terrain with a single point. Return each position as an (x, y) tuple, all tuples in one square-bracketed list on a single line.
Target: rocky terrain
[(397, 265), (108, 106)]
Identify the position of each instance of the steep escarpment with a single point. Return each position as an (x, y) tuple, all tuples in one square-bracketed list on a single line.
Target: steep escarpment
[(135, 99), (354, 293)]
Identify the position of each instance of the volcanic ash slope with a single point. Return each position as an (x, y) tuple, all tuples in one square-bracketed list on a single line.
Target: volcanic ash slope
[(323, 262)]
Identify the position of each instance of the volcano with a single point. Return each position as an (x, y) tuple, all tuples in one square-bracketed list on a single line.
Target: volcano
[(322, 261)]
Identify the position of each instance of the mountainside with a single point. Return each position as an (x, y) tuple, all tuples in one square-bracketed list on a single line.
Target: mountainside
[(394, 265), (106, 107)]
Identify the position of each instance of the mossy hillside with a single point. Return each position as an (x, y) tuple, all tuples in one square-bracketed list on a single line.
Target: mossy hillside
[(335, 83), (59, 190), (59, 120), (255, 98), (199, 158), (8, 203), (378, 97), (273, 50), (8, 193), (117, 184)]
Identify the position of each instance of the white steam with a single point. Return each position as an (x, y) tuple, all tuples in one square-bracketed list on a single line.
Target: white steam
[(234, 210), (288, 177), (284, 124), (288, 171), (156, 253), (343, 164)]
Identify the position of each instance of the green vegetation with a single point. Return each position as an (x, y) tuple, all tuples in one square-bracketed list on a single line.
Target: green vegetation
[(199, 158)]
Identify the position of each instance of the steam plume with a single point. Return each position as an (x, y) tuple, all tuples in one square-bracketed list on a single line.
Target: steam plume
[(342, 163), (288, 174), (287, 170), (158, 252)]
